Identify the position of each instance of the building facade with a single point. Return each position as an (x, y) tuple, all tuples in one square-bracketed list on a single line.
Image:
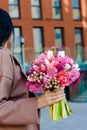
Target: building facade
[(42, 24)]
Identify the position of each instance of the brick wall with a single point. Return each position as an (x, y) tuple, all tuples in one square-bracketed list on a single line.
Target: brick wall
[(48, 24)]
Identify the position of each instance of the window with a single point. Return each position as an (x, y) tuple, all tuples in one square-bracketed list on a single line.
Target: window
[(79, 44), (17, 45), (38, 40), (16, 42), (14, 8), (36, 10), (59, 40), (56, 9), (76, 9)]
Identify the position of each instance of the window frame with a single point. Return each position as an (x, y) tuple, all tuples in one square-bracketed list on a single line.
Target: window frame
[(81, 45), (19, 54), (20, 30), (42, 33), (81, 30), (37, 6), (77, 8), (62, 33), (18, 7), (57, 7)]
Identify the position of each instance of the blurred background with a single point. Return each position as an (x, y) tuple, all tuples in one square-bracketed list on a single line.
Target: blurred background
[(42, 24)]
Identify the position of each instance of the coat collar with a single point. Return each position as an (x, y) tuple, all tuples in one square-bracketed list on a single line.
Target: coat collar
[(10, 53), (19, 66), (6, 49)]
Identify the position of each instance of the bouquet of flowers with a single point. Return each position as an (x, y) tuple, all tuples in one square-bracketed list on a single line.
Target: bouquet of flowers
[(51, 70)]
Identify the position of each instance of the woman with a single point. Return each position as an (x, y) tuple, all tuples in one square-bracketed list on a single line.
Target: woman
[(17, 110)]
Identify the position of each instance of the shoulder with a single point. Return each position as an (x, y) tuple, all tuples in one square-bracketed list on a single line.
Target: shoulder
[(6, 66), (5, 54), (5, 51)]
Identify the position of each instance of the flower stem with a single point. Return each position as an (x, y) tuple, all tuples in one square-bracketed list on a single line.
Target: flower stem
[(59, 110)]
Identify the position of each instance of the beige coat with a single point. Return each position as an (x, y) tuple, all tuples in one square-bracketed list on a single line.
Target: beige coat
[(17, 111)]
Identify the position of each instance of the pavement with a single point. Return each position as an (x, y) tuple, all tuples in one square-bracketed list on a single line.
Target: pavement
[(77, 121)]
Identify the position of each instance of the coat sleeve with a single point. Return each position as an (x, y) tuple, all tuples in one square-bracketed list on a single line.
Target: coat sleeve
[(20, 112)]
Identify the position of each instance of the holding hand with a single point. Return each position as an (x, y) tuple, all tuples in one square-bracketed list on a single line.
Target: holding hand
[(49, 98)]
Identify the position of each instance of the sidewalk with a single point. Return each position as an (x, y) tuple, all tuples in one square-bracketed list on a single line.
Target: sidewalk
[(78, 120)]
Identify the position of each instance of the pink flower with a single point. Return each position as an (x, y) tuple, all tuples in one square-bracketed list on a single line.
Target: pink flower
[(36, 61), (63, 78), (42, 68), (51, 71), (54, 61), (36, 88), (66, 60), (36, 68), (73, 75), (69, 60), (47, 63), (40, 59), (46, 79)]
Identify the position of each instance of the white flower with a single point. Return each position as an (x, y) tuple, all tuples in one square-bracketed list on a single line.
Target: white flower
[(38, 81), (76, 66), (61, 54), (67, 66), (28, 78), (34, 72), (41, 77), (50, 86), (47, 63), (49, 54), (32, 75)]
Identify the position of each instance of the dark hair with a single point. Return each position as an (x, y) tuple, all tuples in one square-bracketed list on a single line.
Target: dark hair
[(6, 26)]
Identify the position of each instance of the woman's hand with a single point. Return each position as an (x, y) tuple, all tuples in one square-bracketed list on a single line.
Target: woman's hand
[(49, 97)]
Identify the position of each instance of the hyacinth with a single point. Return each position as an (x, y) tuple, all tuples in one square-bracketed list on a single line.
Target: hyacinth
[(52, 70)]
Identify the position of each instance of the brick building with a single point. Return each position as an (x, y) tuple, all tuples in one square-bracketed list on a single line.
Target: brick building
[(42, 24)]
